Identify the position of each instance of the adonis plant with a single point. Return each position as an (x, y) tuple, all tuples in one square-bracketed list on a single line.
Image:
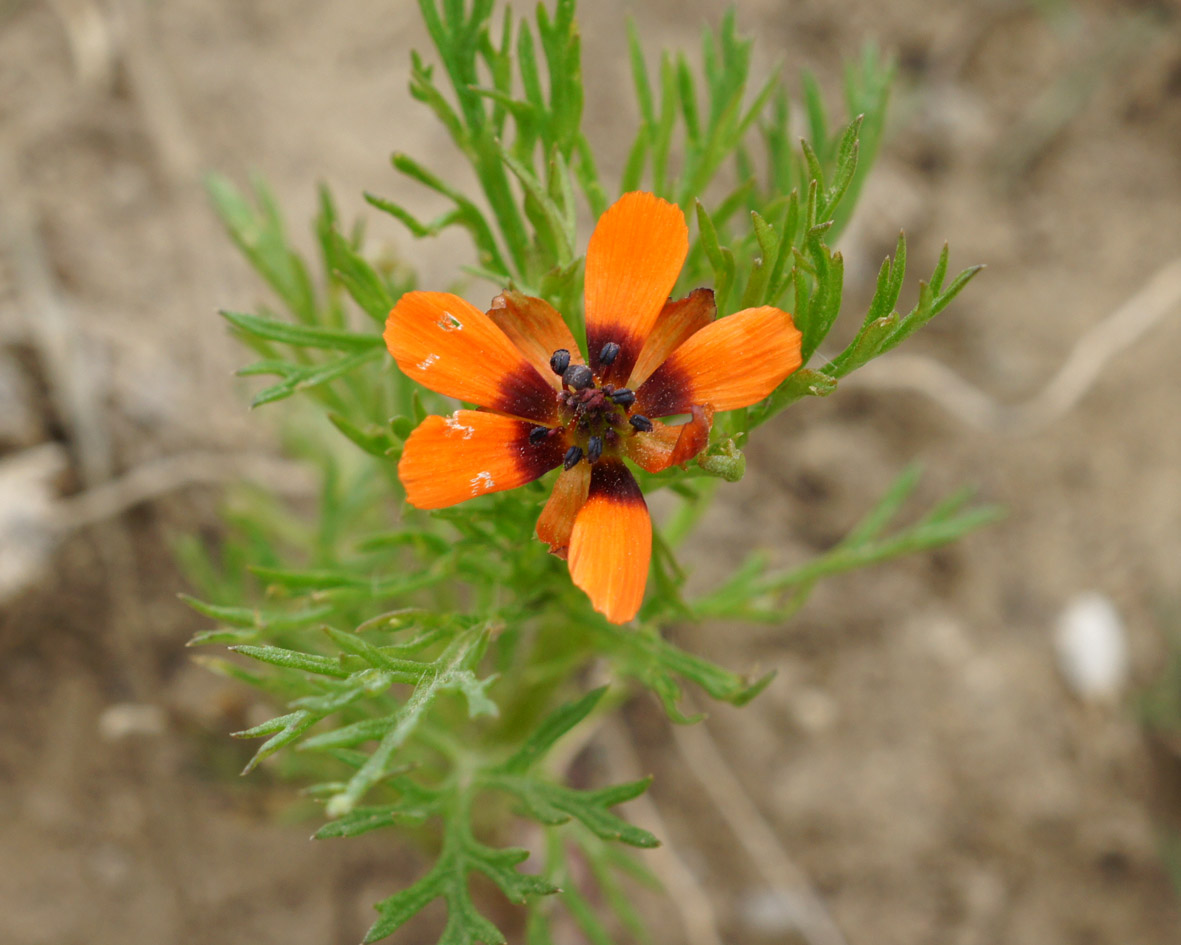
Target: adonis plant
[(425, 653), (664, 358)]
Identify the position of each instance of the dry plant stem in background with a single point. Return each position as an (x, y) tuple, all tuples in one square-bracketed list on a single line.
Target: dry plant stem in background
[(694, 906), (51, 328), (57, 339), (168, 474), (1083, 368), (756, 836), (427, 657)]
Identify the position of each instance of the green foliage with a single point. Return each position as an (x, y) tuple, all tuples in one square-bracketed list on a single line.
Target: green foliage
[(758, 593), (410, 655), (1159, 705), (1159, 708), (461, 854), (1170, 848)]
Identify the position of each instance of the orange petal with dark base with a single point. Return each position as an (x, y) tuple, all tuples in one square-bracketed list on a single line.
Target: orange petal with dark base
[(732, 363), (448, 460), (557, 518), (611, 544), (677, 323), (665, 446), (536, 328), (453, 348), (632, 263)]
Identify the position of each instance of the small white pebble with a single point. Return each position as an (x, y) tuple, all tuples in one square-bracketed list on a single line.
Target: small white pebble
[(814, 710), (130, 718), (29, 528), (771, 912), (1092, 647)]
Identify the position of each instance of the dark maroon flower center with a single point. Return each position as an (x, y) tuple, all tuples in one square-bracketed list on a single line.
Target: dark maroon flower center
[(594, 416)]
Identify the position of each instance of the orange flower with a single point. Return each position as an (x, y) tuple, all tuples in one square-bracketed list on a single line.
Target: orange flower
[(544, 406)]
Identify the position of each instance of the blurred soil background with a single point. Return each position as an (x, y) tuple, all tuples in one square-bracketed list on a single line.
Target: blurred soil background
[(920, 765)]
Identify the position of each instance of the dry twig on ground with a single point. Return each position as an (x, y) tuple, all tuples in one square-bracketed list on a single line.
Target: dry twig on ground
[(1084, 366)]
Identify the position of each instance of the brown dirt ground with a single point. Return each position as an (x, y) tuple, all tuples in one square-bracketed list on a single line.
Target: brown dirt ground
[(919, 757)]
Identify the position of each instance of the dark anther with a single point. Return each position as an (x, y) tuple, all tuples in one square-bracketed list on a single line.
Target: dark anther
[(559, 361), (537, 434), (594, 449), (641, 423), (578, 377), (609, 353), (573, 455), (624, 397)]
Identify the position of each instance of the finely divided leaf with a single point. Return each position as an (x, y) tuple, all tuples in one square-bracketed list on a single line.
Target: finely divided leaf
[(553, 804), (554, 726)]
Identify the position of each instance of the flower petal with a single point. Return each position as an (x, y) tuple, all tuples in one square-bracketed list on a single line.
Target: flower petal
[(448, 460), (677, 322), (453, 348), (732, 363), (632, 263), (611, 544), (536, 328), (665, 446), (557, 518)]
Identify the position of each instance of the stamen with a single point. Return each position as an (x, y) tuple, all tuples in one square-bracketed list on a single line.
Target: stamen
[(608, 354), (624, 397), (594, 449), (641, 423), (573, 455), (559, 361), (537, 434), (578, 377)]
